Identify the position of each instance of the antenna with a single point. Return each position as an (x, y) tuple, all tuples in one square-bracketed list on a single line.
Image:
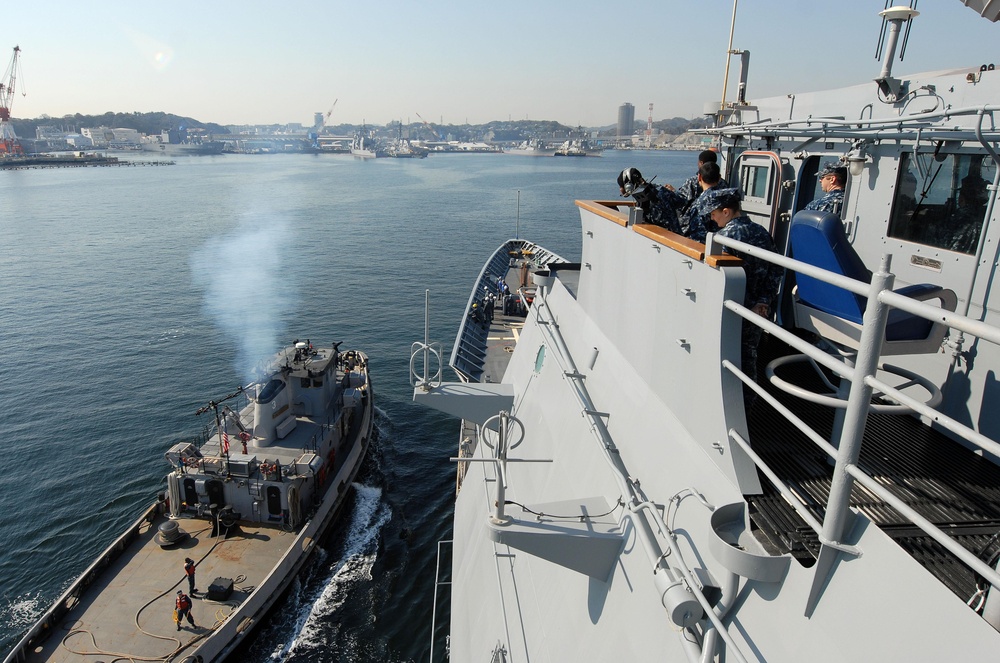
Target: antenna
[(649, 126), (729, 51), (892, 88)]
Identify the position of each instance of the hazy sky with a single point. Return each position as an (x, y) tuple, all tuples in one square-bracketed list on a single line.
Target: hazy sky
[(573, 61)]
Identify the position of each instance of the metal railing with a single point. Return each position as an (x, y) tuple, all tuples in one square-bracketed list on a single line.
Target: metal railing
[(863, 378), (437, 583)]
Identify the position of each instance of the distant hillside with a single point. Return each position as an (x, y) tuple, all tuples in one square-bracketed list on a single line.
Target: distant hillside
[(147, 123), (499, 131)]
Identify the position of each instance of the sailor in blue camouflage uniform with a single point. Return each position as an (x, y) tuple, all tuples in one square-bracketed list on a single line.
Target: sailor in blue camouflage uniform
[(690, 189), (762, 277), (698, 218), (660, 206), (832, 180)]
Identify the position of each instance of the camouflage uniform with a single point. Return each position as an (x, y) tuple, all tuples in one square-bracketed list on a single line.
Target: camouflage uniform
[(960, 231), (829, 202), (660, 207), (698, 220), (762, 286), (691, 190)]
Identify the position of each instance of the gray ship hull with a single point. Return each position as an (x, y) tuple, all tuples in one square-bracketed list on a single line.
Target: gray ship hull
[(185, 149)]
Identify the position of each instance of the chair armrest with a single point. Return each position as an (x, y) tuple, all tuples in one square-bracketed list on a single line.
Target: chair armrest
[(924, 291)]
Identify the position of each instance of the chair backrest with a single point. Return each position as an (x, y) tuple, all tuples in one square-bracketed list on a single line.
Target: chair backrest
[(818, 238)]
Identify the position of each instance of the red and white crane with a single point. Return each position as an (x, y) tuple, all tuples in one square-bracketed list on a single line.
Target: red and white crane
[(8, 139)]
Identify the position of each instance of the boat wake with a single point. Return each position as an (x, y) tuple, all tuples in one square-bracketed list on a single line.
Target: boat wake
[(353, 566)]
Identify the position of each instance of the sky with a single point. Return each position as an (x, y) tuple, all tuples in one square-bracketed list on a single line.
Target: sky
[(574, 62)]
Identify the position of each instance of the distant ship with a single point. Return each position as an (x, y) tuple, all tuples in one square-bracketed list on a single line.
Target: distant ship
[(633, 485), (366, 146), (577, 148), (248, 505), (532, 148), (184, 149), (176, 143), (404, 149)]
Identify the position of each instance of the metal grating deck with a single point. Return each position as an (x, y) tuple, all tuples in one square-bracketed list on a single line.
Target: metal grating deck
[(946, 483)]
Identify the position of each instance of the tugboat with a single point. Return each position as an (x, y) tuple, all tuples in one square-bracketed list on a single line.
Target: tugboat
[(246, 506), (631, 487)]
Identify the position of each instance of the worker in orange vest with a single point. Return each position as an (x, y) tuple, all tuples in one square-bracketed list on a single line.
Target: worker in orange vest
[(183, 609), (189, 570)]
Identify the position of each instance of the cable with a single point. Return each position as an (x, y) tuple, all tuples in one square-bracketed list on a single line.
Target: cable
[(581, 517), (180, 645)]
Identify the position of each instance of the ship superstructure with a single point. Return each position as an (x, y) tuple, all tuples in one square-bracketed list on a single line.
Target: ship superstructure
[(628, 492)]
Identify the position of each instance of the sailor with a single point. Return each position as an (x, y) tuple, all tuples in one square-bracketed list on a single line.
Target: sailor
[(832, 179), (960, 230), (691, 190), (182, 609), (698, 219), (189, 571), (660, 206), (762, 277)]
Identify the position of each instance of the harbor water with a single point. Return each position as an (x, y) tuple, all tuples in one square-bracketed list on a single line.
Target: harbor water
[(130, 297)]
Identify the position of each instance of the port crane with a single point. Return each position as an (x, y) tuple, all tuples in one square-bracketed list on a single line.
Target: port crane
[(326, 118), (428, 125), (318, 129), (8, 139)]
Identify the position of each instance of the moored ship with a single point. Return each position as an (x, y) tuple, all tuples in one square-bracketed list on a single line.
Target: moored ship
[(177, 143), (367, 146), (628, 490), (532, 148), (247, 506), (185, 149)]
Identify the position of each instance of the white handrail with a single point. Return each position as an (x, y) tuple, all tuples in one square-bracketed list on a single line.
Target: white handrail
[(880, 298)]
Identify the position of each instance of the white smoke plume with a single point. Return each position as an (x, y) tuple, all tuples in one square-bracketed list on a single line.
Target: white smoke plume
[(248, 287)]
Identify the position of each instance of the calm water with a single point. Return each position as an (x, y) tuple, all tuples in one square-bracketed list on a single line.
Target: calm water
[(129, 297)]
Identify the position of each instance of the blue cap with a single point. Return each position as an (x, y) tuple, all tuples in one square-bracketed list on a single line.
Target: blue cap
[(716, 198), (833, 168)]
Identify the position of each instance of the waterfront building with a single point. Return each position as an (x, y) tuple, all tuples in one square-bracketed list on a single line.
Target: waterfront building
[(626, 120)]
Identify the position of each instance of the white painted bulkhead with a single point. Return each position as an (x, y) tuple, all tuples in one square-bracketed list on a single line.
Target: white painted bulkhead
[(882, 606)]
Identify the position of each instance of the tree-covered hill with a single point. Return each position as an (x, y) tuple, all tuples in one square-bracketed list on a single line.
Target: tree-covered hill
[(147, 123)]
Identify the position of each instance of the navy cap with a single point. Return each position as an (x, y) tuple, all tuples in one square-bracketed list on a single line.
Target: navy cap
[(833, 168), (716, 198)]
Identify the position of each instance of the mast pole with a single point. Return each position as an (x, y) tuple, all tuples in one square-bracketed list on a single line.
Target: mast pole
[(517, 217), (729, 52)]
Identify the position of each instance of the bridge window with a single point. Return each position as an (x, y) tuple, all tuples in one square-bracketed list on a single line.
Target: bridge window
[(756, 181), (941, 201)]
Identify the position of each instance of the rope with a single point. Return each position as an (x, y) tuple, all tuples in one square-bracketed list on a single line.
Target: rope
[(121, 656)]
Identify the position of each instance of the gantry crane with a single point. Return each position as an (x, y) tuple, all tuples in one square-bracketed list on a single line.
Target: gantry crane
[(8, 139)]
